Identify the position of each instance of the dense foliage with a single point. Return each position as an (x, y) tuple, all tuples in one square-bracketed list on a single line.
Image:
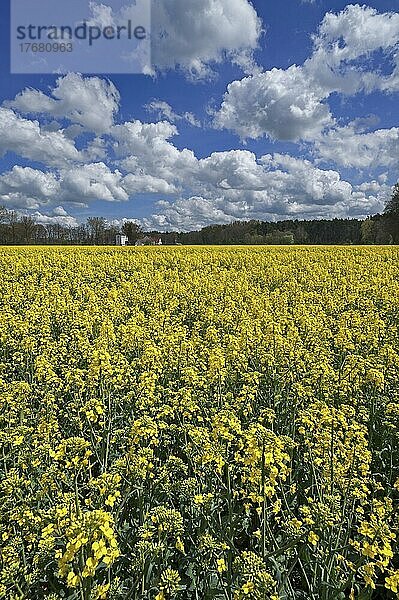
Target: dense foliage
[(199, 423), (379, 229)]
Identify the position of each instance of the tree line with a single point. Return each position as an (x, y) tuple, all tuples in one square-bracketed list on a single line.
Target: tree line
[(378, 229)]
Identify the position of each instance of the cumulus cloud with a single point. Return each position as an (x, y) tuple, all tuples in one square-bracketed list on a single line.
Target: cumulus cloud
[(231, 170), (356, 31), (27, 188), (27, 139), (279, 103), (145, 183), (31, 188), (59, 216), (132, 157), (187, 214), (95, 181), (344, 45), (24, 187), (347, 147), (273, 187), (219, 188), (292, 104), (26, 180), (193, 36), (145, 149), (147, 162), (91, 102), (163, 110)]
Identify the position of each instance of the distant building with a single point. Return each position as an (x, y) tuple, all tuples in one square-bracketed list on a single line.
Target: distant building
[(149, 241), (121, 240)]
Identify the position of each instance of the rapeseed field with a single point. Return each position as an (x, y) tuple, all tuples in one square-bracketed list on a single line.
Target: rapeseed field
[(199, 423)]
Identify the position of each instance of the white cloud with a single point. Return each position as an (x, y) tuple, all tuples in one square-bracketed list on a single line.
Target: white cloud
[(144, 183), (195, 35), (59, 217), (27, 188), (231, 170), (278, 103), (95, 181), (96, 150), (222, 187), (102, 15), (24, 187), (292, 104), (25, 138), (133, 158), (356, 31), (145, 150), (120, 222), (187, 214), (149, 161), (60, 211), (28, 180), (88, 101), (235, 185), (303, 182), (163, 110), (343, 46), (345, 146)]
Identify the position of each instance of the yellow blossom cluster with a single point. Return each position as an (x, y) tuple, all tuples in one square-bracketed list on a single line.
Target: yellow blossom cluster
[(199, 422)]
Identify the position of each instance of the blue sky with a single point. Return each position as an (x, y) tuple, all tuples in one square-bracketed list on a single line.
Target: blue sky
[(283, 110)]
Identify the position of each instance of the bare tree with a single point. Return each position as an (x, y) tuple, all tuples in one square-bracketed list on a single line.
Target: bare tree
[(28, 229), (97, 227)]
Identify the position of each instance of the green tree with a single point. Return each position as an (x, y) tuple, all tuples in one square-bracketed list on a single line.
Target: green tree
[(300, 234), (279, 237), (391, 215), (368, 231), (392, 206), (132, 230)]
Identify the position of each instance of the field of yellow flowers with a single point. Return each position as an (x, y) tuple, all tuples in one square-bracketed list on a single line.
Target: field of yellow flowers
[(199, 423)]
